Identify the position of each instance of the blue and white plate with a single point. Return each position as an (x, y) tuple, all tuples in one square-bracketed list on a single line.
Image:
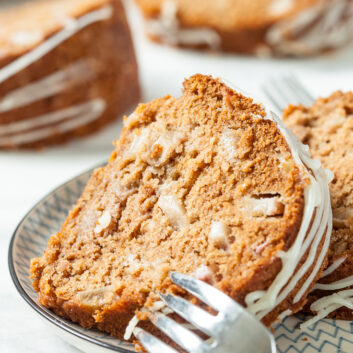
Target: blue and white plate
[(45, 218)]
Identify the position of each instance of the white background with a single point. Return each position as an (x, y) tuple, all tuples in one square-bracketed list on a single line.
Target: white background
[(25, 177)]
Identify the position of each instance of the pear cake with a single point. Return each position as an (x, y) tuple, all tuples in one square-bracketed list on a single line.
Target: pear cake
[(67, 69), (209, 184), (327, 127), (259, 27)]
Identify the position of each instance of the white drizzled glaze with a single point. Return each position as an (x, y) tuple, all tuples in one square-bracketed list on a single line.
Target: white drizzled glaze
[(336, 264), (316, 195), (79, 115), (130, 327), (156, 307), (328, 304), (51, 85), (167, 28), (342, 283), (76, 73), (328, 24), (284, 314)]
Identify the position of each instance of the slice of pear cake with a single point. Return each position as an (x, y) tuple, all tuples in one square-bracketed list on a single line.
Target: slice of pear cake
[(208, 184)]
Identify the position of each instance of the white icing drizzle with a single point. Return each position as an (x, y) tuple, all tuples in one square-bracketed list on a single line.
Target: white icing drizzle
[(316, 195), (336, 264), (158, 306), (328, 24), (131, 327), (342, 283), (76, 73), (328, 304), (71, 27), (79, 115), (167, 28), (284, 314)]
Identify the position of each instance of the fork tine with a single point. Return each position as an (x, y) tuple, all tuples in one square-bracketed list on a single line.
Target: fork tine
[(208, 294), (195, 315), (282, 90), (179, 334), (277, 95), (286, 90), (297, 86), (274, 102), (151, 343), (288, 86)]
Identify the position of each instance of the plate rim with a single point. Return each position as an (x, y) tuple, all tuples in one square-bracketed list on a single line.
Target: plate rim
[(45, 313)]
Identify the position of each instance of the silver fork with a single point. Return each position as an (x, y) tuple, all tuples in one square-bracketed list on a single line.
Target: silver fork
[(285, 90), (232, 330)]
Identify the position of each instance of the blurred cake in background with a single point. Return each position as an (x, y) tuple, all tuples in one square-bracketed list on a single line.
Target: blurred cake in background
[(67, 68), (260, 27)]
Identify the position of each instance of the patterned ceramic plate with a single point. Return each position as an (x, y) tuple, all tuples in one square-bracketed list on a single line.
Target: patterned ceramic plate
[(45, 218)]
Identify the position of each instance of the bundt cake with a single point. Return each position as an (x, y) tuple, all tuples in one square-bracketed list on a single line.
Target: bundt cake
[(208, 184), (260, 27), (67, 68)]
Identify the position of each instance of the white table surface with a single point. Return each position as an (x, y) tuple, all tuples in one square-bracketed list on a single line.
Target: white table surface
[(25, 177)]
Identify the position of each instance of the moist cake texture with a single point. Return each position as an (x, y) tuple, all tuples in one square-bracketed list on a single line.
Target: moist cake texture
[(207, 184), (326, 127), (67, 68), (260, 27)]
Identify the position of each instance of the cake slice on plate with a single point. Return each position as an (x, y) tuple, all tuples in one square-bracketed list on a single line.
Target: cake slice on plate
[(327, 128), (67, 68), (208, 184)]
